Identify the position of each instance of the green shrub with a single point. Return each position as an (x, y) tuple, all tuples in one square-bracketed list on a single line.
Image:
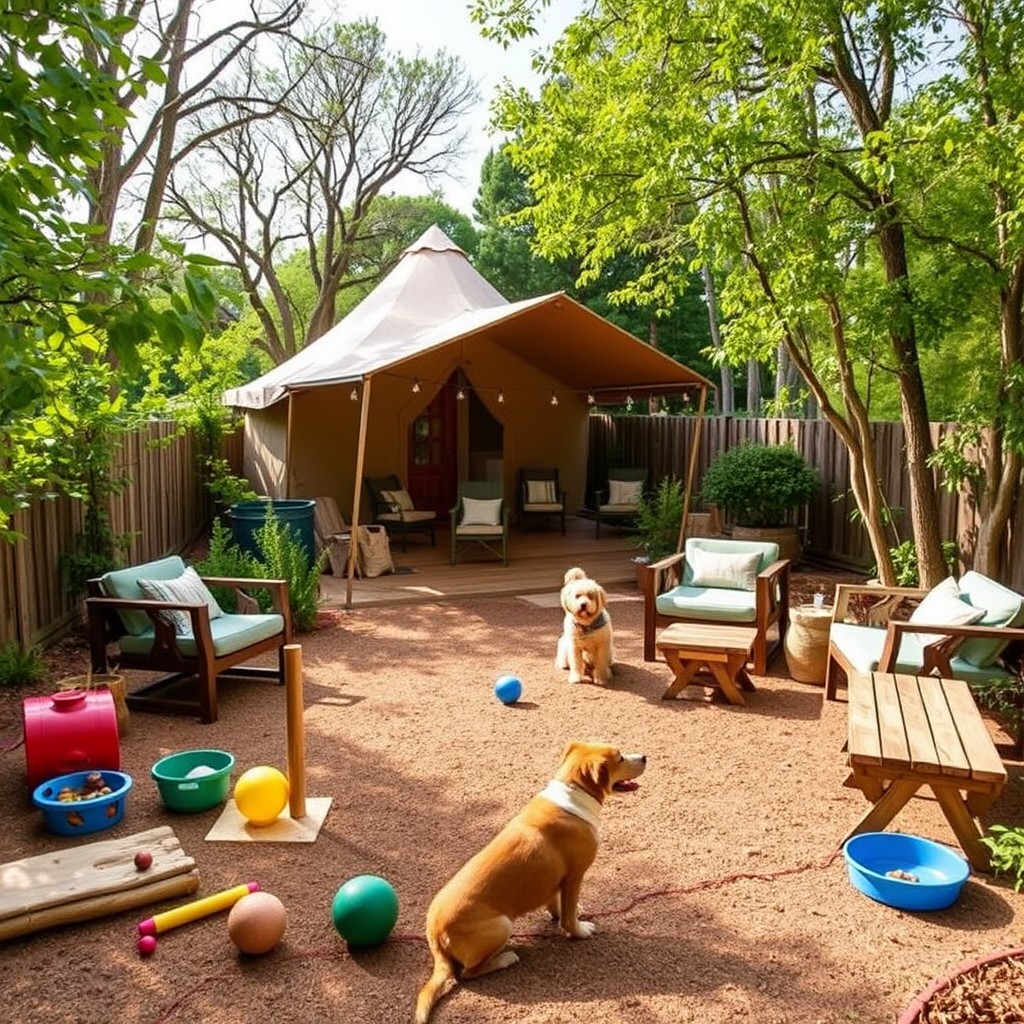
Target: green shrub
[(226, 558), (1007, 852), (660, 515), (904, 561), (284, 557), (21, 666), (759, 484)]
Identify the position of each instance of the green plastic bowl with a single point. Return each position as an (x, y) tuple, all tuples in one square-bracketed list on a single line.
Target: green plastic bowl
[(185, 786)]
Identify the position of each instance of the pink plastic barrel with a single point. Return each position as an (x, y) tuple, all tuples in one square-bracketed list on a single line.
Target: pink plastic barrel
[(69, 732)]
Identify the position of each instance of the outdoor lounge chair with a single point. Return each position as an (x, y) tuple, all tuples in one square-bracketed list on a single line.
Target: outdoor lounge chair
[(972, 620), (480, 516), (394, 509), (540, 496), (183, 632), (726, 582), (619, 504)]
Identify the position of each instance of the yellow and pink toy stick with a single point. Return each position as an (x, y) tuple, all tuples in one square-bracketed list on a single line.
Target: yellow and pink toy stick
[(169, 919)]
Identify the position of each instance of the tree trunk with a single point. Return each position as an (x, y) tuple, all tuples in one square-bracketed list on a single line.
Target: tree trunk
[(726, 391)]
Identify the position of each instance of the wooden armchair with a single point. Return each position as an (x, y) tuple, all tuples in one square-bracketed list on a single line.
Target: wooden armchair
[(185, 636), (726, 582), (879, 629), (395, 511), (540, 496), (619, 503), (480, 516)]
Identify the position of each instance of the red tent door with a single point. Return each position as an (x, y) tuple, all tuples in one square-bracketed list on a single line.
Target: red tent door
[(433, 455)]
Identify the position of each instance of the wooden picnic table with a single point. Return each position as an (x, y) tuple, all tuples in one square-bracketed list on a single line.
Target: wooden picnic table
[(905, 732), (708, 654)]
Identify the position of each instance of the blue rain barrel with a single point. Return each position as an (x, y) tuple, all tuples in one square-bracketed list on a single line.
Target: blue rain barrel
[(248, 517)]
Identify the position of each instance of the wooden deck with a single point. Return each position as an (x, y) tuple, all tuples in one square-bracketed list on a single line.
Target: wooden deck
[(537, 560)]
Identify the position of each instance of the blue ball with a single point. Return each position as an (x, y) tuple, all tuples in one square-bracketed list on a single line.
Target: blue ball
[(365, 910), (508, 689)]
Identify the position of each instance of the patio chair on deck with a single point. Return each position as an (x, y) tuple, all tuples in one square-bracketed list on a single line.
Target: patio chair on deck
[(394, 509), (332, 534), (540, 496), (480, 516), (619, 503)]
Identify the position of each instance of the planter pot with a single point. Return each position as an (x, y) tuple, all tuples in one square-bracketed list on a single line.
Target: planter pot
[(787, 537), (913, 1013)]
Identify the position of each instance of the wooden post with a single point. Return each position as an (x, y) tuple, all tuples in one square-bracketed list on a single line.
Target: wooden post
[(692, 469), (296, 731), (364, 419)]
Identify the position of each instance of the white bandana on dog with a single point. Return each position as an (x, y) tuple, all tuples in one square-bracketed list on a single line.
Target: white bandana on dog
[(573, 800)]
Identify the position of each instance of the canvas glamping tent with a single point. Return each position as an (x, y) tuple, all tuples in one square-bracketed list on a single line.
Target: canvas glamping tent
[(435, 377)]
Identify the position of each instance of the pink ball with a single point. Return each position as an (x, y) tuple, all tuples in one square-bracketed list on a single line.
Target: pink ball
[(147, 945)]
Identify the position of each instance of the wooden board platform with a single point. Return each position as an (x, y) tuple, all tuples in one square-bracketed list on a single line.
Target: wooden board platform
[(82, 882)]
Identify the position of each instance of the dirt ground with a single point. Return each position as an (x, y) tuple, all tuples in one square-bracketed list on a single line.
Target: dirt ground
[(719, 892)]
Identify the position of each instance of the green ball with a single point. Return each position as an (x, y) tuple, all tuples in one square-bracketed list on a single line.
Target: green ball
[(365, 910)]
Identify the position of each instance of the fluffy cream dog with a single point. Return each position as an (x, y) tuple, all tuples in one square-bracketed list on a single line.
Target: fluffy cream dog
[(537, 860), (585, 647)]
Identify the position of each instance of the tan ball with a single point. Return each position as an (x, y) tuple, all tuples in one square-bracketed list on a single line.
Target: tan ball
[(257, 922)]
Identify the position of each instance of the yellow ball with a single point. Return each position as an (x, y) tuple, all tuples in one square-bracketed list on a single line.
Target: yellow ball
[(260, 795)]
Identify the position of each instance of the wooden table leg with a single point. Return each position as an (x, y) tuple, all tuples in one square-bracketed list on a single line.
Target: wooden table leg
[(959, 817), (726, 683), (892, 801), (683, 673)]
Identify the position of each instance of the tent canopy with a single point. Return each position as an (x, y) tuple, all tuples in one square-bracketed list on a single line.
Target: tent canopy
[(435, 298)]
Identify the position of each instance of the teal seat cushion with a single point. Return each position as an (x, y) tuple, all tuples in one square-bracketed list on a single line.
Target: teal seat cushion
[(712, 604), (1003, 607), (230, 633), (862, 647), (124, 583)]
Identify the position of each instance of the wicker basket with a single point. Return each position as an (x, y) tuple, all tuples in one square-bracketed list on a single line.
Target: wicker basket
[(806, 644), (112, 682)]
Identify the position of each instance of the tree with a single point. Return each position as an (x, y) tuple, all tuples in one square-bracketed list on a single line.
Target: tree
[(785, 146), (66, 293), (350, 118)]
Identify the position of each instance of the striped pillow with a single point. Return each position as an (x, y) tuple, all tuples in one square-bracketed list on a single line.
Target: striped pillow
[(187, 588)]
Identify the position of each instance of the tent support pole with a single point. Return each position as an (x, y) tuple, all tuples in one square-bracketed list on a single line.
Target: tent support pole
[(353, 545), (692, 468), (288, 448)]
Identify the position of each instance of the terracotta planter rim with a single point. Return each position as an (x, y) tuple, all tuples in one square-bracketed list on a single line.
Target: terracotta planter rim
[(912, 1014)]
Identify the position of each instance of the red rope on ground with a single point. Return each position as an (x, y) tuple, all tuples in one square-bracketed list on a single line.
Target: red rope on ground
[(704, 885)]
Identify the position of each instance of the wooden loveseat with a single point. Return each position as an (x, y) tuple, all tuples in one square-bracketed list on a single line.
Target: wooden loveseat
[(958, 630)]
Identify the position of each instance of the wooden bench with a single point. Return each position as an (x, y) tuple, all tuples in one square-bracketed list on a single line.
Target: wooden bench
[(905, 732)]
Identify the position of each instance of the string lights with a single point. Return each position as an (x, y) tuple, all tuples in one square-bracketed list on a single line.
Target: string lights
[(555, 396)]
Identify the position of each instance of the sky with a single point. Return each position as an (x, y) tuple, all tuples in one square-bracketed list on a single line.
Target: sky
[(430, 25)]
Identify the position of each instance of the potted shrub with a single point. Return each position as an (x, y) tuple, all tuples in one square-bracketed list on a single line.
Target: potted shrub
[(759, 487)]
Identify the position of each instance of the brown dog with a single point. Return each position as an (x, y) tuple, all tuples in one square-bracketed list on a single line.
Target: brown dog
[(537, 860), (585, 647)]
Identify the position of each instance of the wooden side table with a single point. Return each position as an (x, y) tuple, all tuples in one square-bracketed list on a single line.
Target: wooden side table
[(719, 653), (806, 642)]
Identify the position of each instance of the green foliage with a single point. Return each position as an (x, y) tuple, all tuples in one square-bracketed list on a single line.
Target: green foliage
[(284, 557), (904, 561), (1006, 846), (226, 558), (759, 485), (21, 666), (661, 514)]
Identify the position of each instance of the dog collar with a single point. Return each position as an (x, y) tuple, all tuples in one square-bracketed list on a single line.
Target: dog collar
[(600, 621), (573, 800)]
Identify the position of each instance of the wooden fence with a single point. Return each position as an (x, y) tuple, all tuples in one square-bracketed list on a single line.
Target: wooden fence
[(164, 506), (832, 533)]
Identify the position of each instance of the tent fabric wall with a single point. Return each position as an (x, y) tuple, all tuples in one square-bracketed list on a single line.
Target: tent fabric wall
[(432, 316)]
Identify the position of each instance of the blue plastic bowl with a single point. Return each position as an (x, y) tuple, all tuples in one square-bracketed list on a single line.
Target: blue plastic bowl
[(79, 817), (940, 872)]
